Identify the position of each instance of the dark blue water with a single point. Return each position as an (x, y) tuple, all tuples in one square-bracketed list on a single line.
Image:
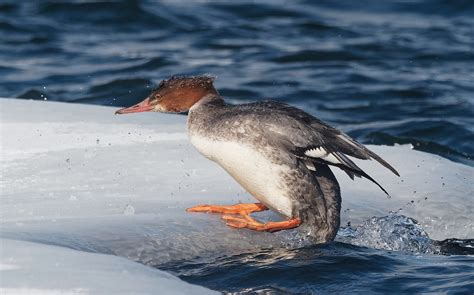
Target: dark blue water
[(385, 72), (404, 261), (331, 269)]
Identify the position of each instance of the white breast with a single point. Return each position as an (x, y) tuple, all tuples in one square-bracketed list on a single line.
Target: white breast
[(255, 172)]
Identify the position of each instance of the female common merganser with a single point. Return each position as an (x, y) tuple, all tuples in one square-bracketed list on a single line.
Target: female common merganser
[(278, 153)]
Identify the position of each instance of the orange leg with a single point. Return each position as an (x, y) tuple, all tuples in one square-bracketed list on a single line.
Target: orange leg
[(245, 221), (242, 209)]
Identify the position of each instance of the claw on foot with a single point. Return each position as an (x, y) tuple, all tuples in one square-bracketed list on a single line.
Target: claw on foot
[(242, 209)]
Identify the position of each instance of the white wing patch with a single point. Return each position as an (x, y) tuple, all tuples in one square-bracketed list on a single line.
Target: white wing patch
[(316, 153), (321, 153)]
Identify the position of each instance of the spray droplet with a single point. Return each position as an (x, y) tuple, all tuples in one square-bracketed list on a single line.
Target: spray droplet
[(129, 210)]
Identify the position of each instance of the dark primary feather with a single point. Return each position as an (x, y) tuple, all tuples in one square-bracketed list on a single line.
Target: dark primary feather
[(306, 132)]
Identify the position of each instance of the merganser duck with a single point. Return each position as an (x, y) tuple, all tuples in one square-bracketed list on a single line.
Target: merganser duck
[(278, 153)]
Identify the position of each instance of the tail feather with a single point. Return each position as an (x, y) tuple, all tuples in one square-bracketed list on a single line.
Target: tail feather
[(357, 150), (351, 169)]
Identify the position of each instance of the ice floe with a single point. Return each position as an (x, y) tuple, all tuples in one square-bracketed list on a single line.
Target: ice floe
[(78, 177)]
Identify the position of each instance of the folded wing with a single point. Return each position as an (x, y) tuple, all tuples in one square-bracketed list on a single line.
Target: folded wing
[(315, 141)]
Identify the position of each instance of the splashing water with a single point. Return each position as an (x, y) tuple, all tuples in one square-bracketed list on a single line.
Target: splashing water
[(401, 233), (392, 232)]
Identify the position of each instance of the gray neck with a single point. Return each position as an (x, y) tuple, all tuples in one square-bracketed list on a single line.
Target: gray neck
[(202, 113), (209, 99)]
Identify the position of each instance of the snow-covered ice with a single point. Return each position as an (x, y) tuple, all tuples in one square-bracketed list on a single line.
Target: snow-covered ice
[(31, 268), (78, 177)]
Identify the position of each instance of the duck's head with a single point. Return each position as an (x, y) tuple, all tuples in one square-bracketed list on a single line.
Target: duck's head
[(175, 95)]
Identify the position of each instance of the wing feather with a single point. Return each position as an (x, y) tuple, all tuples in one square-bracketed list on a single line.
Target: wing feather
[(315, 140)]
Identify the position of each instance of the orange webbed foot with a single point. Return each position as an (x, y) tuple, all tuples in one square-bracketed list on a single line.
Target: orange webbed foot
[(246, 221), (242, 218), (242, 209)]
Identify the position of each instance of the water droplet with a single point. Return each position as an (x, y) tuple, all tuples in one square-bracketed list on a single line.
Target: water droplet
[(129, 210)]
